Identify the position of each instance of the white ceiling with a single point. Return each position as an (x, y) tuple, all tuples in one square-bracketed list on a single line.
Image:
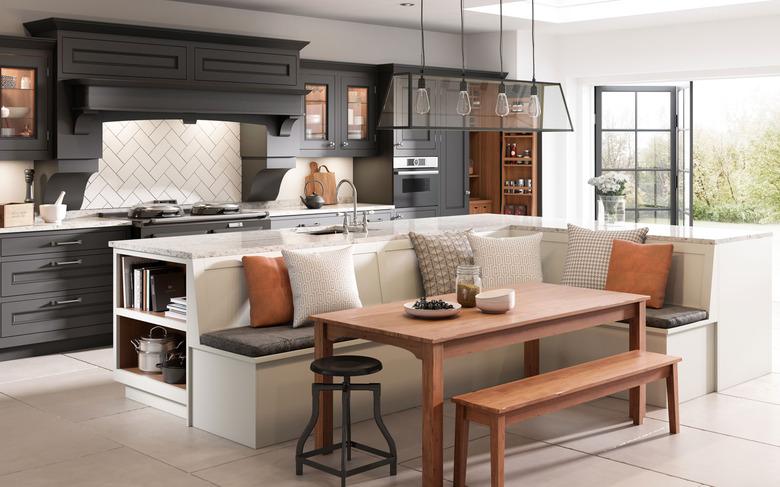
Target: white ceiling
[(554, 16)]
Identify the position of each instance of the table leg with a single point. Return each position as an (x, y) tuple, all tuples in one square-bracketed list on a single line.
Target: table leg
[(531, 358), (637, 397), (433, 416), (323, 433)]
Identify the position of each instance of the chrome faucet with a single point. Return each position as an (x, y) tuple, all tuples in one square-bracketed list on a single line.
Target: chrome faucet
[(354, 199)]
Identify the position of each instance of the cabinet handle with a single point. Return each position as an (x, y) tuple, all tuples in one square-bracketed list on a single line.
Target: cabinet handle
[(399, 144), (345, 144), (59, 302), (66, 262), (332, 144), (62, 244)]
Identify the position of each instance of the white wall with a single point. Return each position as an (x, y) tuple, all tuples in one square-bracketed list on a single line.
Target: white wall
[(292, 183)]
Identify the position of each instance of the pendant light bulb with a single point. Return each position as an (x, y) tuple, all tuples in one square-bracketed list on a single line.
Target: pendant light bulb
[(422, 102), (502, 102), (534, 104), (464, 101)]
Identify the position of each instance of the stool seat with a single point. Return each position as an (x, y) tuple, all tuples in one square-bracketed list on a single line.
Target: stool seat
[(346, 366)]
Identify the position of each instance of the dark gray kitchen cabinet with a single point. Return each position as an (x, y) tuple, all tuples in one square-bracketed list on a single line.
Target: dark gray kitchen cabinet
[(55, 273), (26, 73), (453, 173), (414, 143), (340, 110), (83, 54), (297, 221), (412, 213), (55, 312)]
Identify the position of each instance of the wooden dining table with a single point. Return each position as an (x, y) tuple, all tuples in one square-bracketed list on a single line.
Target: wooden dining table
[(542, 310)]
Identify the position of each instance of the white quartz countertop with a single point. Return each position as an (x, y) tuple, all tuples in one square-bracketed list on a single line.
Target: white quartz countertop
[(81, 219), (241, 243)]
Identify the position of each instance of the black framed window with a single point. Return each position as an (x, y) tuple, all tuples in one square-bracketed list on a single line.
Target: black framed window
[(637, 136)]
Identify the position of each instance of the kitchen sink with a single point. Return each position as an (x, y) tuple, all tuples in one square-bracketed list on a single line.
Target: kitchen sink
[(331, 229)]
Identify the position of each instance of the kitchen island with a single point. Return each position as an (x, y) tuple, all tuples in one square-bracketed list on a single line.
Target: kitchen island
[(261, 400)]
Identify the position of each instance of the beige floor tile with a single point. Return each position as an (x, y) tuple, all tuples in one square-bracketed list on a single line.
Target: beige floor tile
[(406, 477), (121, 467), (709, 458), (46, 365), (766, 388), (537, 464), (618, 405), (736, 416), (77, 396), (101, 357), (169, 439), (31, 438)]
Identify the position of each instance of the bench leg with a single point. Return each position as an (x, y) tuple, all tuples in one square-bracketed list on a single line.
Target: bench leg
[(673, 400), (531, 358), (461, 445), (497, 445)]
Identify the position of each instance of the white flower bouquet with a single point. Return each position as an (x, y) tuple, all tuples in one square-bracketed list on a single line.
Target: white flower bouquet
[(609, 184)]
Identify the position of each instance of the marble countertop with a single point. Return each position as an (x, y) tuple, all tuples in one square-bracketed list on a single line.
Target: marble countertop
[(241, 243), (88, 219)]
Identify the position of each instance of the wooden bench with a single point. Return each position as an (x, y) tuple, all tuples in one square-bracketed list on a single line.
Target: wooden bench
[(534, 396)]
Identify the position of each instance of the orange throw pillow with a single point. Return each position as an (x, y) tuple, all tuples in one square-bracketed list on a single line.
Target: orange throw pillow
[(640, 269), (270, 294)]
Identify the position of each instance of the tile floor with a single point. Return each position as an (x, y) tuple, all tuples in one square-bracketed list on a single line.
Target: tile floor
[(63, 421)]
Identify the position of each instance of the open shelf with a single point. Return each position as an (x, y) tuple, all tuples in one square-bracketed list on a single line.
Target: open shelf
[(153, 317), (155, 377)]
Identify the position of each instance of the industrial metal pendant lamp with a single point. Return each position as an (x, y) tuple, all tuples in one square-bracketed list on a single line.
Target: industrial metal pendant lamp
[(502, 102), (463, 106), (422, 102), (534, 105)]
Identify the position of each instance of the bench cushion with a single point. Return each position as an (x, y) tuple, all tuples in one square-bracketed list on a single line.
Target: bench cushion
[(671, 316), (259, 342)]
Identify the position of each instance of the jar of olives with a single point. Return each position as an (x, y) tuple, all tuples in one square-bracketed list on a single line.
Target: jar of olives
[(468, 284)]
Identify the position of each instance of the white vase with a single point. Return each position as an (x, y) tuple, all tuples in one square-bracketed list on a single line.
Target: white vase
[(612, 210)]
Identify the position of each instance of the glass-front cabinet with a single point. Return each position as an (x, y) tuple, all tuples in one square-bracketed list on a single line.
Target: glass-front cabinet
[(24, 75), (339, 112)]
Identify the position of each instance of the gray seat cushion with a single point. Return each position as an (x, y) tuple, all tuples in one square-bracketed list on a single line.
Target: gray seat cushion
[(671, 316), (259, 342)]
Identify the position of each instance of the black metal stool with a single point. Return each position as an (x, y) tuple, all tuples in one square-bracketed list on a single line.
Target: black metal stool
[(346, 366)]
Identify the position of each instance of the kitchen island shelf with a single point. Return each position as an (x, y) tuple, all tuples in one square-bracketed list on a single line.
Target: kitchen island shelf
[(153, 317), (154, 377)]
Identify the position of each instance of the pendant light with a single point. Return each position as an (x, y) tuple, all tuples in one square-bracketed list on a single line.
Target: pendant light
[(534, 104), (422, 102), (464, 102), (502, 103)]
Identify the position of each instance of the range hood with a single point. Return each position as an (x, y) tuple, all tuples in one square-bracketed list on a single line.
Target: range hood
[(398, 109)]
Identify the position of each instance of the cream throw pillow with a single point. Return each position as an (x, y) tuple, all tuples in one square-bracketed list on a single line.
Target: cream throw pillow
[(508, 261), (321, 282)]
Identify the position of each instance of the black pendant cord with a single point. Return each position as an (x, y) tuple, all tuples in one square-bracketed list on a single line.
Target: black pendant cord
[(533, 43), (422, 37), (462, 48), (501, 40)]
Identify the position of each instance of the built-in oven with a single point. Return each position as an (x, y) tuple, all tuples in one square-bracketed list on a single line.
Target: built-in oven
[(415, 181)]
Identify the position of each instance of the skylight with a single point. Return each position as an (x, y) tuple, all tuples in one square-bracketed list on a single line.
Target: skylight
[(565, 11)]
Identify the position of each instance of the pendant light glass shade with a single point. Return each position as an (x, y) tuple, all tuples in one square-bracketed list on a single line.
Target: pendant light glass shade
[(502, 102), (534, 105), (422, 102), (464, 101)]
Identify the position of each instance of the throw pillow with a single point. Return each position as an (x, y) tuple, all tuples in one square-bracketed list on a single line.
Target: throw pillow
[(321, 282), (640, 269), (507, 261), (438, 257), (587, 258), (270, 295)]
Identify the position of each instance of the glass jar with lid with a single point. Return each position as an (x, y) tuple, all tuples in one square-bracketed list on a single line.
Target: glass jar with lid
[(468, 283)]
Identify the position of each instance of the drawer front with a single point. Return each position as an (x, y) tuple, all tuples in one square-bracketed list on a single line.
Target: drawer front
[(305, 221), (56, 274), (34, 243), (245, 67), (125, 59), (62, 312)]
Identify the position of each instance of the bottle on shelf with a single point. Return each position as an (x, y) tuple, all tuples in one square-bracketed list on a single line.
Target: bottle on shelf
[(513, 151)]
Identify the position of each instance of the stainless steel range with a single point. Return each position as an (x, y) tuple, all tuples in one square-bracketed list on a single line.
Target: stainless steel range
[(169, 219)]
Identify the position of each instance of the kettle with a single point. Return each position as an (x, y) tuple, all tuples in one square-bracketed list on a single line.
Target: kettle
[(313, 201)]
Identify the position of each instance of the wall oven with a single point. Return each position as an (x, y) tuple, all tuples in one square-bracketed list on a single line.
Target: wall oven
[(415, 181)]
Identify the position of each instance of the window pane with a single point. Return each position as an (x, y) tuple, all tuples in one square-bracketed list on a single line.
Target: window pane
[(654, 188), (661, 217), (653, 110), (17, 96), (316, 115), (653, 150), (357, 113), (617, 150), (617, 110), (630, 215), (630, 201)]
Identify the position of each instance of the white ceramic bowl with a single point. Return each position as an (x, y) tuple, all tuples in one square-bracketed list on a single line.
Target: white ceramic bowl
[(53, 213), (17, 112), (496, 300), (432, 314)]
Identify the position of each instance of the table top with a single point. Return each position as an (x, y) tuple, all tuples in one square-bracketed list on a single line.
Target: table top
[(535, 303)]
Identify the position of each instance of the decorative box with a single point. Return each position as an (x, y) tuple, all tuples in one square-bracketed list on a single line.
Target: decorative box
[(7, 81), (16, 214)]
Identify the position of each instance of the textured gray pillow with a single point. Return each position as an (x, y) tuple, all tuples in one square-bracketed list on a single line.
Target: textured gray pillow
[(508, 261), (438, 256), (321, 282), (587, 259)]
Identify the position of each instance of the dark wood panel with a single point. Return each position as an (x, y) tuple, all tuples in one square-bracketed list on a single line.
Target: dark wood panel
[(245, 67), (60, 242), (60, 312), (120, 58), (58, 273)]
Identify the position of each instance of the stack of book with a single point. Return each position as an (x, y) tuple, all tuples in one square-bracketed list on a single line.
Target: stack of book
[(177, 308), (149, 285)]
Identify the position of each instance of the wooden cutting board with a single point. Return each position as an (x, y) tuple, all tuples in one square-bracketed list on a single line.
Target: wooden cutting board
[(324, 176)]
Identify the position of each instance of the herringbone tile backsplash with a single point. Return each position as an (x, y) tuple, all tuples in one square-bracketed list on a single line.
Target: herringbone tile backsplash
[(146, 160)]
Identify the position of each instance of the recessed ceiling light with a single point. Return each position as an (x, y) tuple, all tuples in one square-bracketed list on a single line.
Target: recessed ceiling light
[(406, 4)]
